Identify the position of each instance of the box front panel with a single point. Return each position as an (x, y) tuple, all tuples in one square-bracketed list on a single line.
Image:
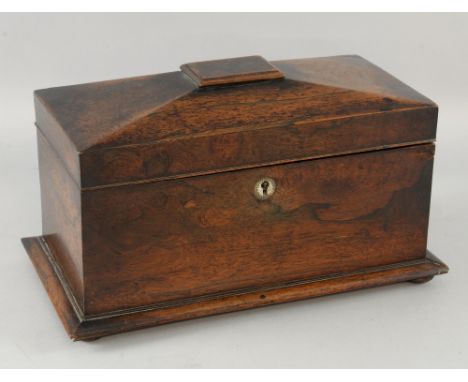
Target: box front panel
[(159, 242)]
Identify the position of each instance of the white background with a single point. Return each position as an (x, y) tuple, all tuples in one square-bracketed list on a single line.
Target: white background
[(398, 326)]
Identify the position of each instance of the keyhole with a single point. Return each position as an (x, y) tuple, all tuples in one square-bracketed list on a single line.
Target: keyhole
[(264, 188)]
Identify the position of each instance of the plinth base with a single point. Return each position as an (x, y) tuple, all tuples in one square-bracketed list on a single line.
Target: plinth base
[(79, 327)]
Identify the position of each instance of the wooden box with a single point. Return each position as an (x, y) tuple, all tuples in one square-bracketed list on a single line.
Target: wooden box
[(229, 185)]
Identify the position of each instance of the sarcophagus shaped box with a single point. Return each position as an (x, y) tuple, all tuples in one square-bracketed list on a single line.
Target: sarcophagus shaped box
[(228, 185)]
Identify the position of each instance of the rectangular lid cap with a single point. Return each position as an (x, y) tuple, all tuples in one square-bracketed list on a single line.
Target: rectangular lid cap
[(231, 71)]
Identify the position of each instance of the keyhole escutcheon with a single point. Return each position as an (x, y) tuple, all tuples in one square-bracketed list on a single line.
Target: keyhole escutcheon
[(264, 188)]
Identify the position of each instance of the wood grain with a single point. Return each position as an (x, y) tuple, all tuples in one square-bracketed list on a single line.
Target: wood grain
[(255, 148), (324, 106), (167, 240), (61, 215), (147, 188), (81, 328), (231, 71)]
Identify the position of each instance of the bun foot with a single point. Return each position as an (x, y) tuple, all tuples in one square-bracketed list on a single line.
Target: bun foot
[(421, 280)]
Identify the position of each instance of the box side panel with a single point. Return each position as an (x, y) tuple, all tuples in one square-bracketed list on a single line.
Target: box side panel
[(156, 243), (61, 215), (57, 137), (220, 151)]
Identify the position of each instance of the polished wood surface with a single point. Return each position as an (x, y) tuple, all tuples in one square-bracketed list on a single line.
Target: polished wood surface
[(162, 241), (231, 71), (214, 153), (61, 215), (79, 327), (148, 189), (164, 126)]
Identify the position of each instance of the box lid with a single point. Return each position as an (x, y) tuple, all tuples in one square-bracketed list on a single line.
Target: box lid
[(229, 114)]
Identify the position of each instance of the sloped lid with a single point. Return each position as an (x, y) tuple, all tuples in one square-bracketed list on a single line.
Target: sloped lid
[(230, 114)]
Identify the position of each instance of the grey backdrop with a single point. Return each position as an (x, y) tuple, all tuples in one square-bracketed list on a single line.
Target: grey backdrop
[(397, 326)]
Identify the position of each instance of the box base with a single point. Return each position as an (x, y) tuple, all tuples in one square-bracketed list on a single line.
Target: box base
[(80, 327)]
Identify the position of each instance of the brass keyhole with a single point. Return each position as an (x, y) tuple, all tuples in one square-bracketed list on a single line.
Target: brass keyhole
[(264, 188)]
